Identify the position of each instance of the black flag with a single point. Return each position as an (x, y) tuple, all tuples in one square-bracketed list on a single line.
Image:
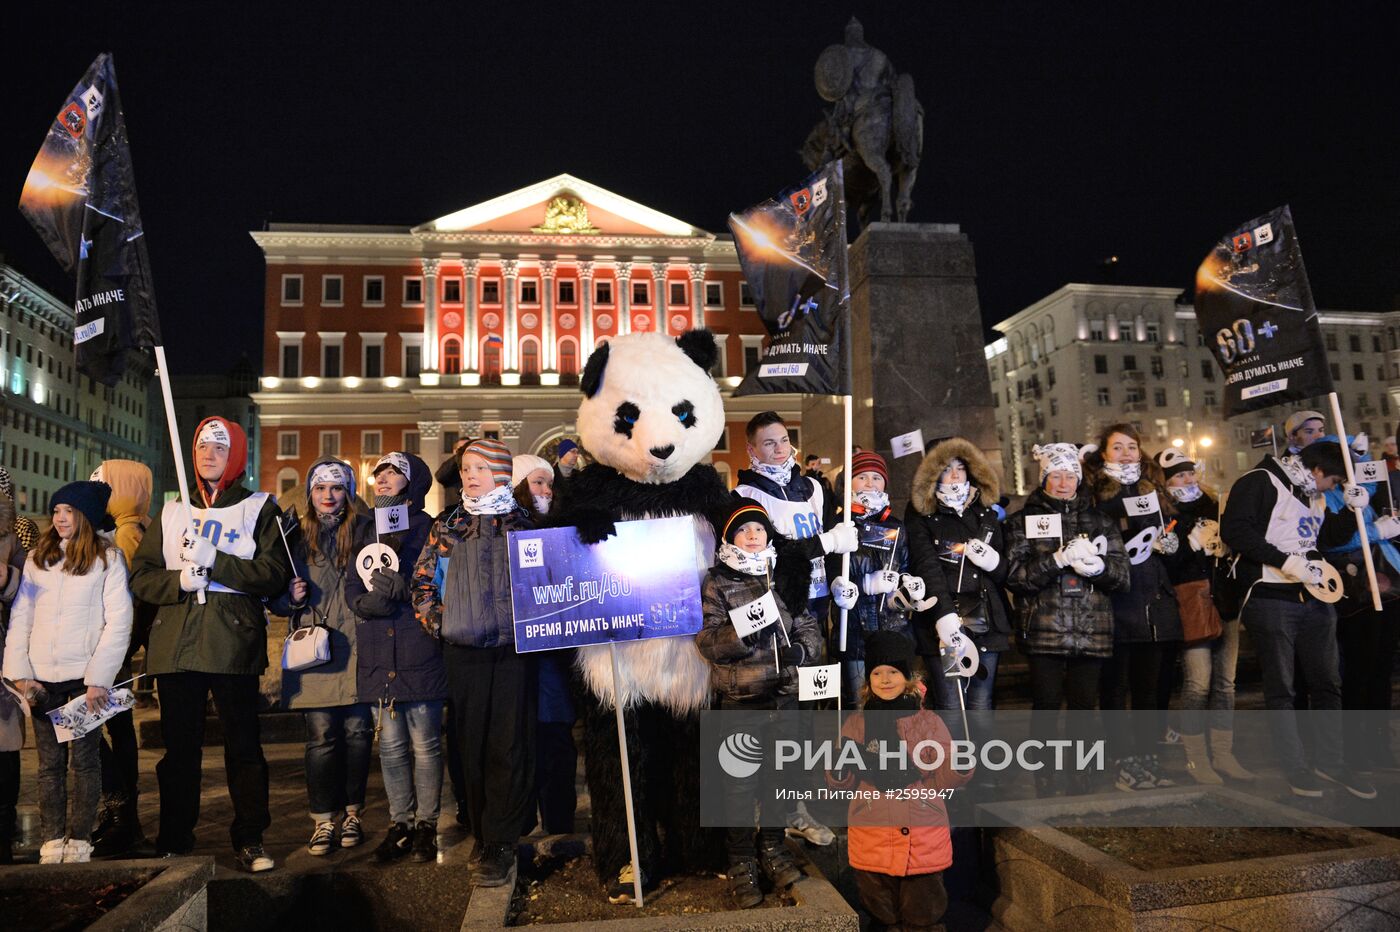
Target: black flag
[(793, 251), (81, 197), (1255, 308)]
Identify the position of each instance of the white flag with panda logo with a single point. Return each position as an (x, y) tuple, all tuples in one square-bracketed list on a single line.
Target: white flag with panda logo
[(757, 615), (391, 520)]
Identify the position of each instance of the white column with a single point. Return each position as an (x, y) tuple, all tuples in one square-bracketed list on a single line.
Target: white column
[(509, 350), (547, 337), (697, 295), (469, 336), (430, 321), (624, 298), (659, 301), (585, 308)]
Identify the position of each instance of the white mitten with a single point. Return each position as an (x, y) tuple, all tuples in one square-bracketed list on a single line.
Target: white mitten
[(844, 593), (880, 582), (1355, 496), (913, 586), (981, 555), (1088, 567), (1388, 527), (1361, 444), (1077, 549), (948, 626), (197, 550), (194, 577), (1297, 568), (844, 538)]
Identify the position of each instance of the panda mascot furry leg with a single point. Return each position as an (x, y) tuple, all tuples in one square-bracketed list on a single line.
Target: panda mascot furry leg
[(650, 415)]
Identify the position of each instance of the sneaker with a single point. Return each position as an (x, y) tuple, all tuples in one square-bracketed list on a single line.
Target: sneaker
[(351, 832), (52, 851), (1171, 737), (779, 867), (497, 862), (1154, 770), (802, 825), (743, 884), (1303, 783), (1133, 776), (621, 892), (1349, 780), (254, 860), (322, 840), (77, 851), (397, 842), (424, 844)]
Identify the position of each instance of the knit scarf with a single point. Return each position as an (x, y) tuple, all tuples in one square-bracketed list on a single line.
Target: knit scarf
[(873, 501), (1185, 493), (333, 519), (954, 495), (743, 561), (498, 501), (781, 474), (1298, 474), (1123, 473), (389, 501)]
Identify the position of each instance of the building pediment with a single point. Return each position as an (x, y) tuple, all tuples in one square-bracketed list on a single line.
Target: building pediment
[(566, 207)]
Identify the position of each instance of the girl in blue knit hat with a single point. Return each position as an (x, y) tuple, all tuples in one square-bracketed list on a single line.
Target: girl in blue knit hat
[(73, 594)]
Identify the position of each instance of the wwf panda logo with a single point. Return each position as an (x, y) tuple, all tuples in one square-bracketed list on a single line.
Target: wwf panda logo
[(755, 613)]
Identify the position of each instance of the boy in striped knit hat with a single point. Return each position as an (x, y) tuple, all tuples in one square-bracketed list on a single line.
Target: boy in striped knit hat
[(461, 594)]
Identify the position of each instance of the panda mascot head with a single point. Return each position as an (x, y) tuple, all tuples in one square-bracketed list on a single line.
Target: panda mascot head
[(650, 409)]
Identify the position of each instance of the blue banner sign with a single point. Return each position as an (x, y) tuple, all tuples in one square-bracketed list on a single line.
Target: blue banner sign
[(643, 582)]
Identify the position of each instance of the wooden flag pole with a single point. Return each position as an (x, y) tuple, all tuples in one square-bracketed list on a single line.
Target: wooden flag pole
[(626, 778), (1360, 520), (163, 373), (846, 515)]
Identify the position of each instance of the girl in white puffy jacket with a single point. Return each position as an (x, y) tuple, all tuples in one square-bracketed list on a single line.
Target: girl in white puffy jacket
[(69, 629)]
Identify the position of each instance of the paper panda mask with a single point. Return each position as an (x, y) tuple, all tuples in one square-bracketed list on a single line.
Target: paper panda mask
[(651, 410)]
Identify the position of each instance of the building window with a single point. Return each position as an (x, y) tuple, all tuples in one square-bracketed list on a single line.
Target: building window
[(491, 363), (412, 360), (411, 442), (374, 361), (566, 291), (1153, 334), (291, 289), (291, 360), (714, 294), (452, 356), (449, 440), (752, 353), (1130, 363), (677, 292), (529, 291), (288, 444), (745, 295), (1135, 395), (641, 293), (1375, 345), (413, 290), (722, 446), (287, 479), (451, 291), (332, 289), (490, 291), (1380, 374), (568, 358), (603, 293), (1054, 406), (1100, 364), (1105, 399), (330, 360), (1159, 397), (1207, 370), (529, 358), (1358, 373), (1208, 398), (374, 290), (1354, 340), (1331, 339), (330, 443), (1157, 368), (1096, 331), (1050, 377), (371, 442), (1125, 331), (1336, 371)]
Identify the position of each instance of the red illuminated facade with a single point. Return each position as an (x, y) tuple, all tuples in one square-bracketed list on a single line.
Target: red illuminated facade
[(478, 323)]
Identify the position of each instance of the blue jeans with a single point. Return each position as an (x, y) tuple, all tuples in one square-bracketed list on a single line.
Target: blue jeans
[(1285, 632), (410, 754), (54, 819), (338, 741), (1209, 682), (978, 690)]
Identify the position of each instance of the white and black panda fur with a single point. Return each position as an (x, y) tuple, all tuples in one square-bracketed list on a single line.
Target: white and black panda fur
[(650, 415)]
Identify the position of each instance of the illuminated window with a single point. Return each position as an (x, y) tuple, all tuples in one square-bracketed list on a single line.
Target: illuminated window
[(451, 356)]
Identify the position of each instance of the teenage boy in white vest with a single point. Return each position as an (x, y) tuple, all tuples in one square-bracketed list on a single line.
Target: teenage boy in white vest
[(1277, 521), (800, 511), (236, 558)]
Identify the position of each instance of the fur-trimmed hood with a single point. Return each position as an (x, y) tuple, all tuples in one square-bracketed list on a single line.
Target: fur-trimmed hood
[(979, 472)]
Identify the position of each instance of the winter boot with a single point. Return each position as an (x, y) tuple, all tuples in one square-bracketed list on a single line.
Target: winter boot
[(778, 866), (743, 883), (1197, 763), (122, 830), (1223, 758)]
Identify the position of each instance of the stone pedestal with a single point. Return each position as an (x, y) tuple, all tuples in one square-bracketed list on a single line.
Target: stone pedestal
[(917, 350)]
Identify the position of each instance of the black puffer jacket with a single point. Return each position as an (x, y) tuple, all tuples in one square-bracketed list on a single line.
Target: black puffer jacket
[(746, 669), (1054, 622), (1147, 609), (934, 529)]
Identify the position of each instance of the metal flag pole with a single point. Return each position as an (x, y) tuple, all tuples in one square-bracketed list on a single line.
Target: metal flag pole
[(846, 515), (1360, 520), (626, 778), (162, 370)]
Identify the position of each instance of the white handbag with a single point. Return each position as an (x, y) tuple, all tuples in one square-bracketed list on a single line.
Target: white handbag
[(306, 647)]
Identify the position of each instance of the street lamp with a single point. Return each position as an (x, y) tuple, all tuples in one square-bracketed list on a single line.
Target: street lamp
[(1178, 442), (1206, 441)]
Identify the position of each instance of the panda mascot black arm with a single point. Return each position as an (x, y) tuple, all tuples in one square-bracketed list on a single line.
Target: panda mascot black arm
[(650, 416)]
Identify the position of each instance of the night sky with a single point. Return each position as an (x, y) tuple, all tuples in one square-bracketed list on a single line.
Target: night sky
[(1056, 134)]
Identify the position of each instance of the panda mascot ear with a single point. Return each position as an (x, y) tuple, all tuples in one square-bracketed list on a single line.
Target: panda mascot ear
[(700, 346), (592, 378)]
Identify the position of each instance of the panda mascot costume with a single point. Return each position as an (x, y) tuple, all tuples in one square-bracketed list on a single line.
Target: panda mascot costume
[(650, 415)]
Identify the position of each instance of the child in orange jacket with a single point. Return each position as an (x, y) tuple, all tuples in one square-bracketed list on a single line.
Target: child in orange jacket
[(898, 841)]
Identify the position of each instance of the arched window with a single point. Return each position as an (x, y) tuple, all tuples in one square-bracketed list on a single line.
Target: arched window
[(568, 358), (287, 479), (491, 362), (451, 356), (529, 360)]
